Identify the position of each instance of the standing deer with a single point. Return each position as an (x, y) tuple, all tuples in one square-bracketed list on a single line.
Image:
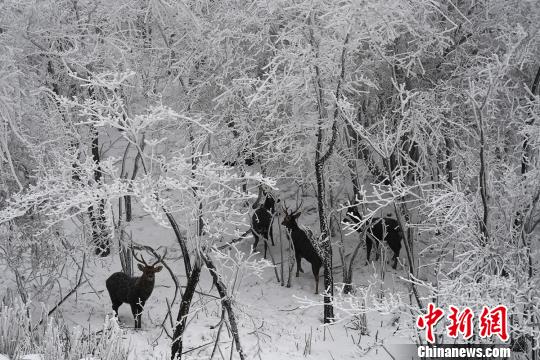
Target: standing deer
[(133, 290), (261, 221), (303, 248), (385, 228)]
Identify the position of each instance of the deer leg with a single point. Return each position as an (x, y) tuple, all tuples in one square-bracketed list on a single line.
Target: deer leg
[(369, 245), (135, 314), (377, 251), (298, 264), (265, 245), (394, 263), (256, 241), (141, 307), (115, 307), (271, 236), (136, 310), (315, 270)]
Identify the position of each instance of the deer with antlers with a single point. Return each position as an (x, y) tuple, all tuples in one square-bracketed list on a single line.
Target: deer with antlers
[(134, 291), (303, 247)]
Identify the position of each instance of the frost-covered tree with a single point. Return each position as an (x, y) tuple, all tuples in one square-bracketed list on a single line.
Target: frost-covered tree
[(181, 110)]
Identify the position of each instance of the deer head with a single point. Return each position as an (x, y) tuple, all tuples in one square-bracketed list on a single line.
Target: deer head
[(259, 197), (267, 199), (149, 270), (290, 216)]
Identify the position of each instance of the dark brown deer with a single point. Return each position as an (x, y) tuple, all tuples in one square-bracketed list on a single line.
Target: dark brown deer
[(261, 221), (303, 248), (380, 229), (134, 291)]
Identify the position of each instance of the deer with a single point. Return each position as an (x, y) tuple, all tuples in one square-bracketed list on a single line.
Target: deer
[(261, 221), (380, 229), (134, 291), (303, 247)]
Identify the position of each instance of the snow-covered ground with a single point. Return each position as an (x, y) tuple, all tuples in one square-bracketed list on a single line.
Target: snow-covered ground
[(273, 321)]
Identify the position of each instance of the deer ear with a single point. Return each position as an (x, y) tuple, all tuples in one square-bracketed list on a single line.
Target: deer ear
[(297, 215), (158, 268), (140, 266)]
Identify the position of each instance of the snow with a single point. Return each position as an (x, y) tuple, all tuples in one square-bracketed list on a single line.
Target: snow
[(273, 322), (39, 357), (31, 357)]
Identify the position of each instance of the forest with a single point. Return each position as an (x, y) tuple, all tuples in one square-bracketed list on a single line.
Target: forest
[(267, 179)]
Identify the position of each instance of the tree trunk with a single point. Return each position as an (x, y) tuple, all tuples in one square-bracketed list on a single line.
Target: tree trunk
[(526, 148), (320, 160), (351, 163), (226, 302), (326, 245), (181, 319), (406, 240), (348, 271), (127, 198), (100, 237), (524, 169), (181, 241)]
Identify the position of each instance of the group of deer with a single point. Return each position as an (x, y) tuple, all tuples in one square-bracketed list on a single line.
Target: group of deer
[(135, 291), (380, 229)]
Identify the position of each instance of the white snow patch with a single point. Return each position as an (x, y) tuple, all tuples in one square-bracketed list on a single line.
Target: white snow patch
[(31, 357)]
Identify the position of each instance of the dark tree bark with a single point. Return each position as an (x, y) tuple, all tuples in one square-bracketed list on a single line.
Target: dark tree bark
[(449, 162), (320, 160), (195, 189), (351, 163), (181, 241), (100, 236), (524, 169), (482, 179), (226, 303), (526, 147), (181, 319), (127, 198), (325, 235)]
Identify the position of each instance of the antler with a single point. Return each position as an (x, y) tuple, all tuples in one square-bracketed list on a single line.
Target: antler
[(141, 260), (298, 206), (160, 259), (284, 207)]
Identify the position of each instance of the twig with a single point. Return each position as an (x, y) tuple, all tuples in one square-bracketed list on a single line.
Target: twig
[(205, 294), (296, 308), (226, 302), (183, 312), (79, 283), (218, 333), (385, 349), (271, 256), (198, 347), (242, 237)]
